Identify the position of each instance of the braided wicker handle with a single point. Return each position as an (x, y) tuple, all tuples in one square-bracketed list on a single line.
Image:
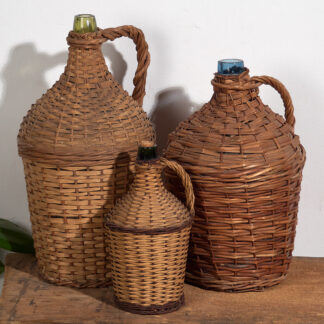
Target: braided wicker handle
[(186, 182), (285, 96), (143, 56)]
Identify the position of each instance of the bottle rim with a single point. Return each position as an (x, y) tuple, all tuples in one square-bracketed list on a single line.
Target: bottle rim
[(231, 60), (84, 16)]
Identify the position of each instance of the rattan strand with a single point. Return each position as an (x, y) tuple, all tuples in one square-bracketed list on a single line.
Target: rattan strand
[(149, 259), (79, 144), (245, 163)]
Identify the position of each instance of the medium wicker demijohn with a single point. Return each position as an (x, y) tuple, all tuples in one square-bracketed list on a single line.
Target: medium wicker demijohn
[(149, 232), (245, 163), (78, 143)]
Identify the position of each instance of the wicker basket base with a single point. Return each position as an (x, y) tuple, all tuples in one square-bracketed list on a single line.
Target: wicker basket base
[(210, 283), (75, 283), (150, 310)]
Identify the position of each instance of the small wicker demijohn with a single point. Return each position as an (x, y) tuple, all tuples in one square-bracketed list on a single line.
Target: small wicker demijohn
[(78, 143), (245, 163), (149, 232)]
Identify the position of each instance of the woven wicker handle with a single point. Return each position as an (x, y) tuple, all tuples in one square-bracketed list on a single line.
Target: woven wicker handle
[(186, 182), (285, 96), (143, 56)]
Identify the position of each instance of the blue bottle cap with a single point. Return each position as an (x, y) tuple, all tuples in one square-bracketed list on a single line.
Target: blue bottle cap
[(230, 66)]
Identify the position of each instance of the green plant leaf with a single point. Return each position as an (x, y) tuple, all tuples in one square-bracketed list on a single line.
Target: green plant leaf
[(1, 267), (13, 238)]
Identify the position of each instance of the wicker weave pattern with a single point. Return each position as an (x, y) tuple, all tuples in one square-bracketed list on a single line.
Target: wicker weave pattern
[(246, 165), (139, 212), (79, 143), (67, 205), (158, 271), (91, 118), (149, 236)]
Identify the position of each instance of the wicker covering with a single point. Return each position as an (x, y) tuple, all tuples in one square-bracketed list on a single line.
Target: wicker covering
[(149, 235), (78, 143), (246, 164)]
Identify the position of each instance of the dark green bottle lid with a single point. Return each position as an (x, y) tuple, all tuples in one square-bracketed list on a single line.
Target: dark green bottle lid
[(147, 151)]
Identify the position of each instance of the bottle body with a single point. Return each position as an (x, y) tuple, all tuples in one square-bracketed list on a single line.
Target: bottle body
[(149, 232), (246, 165), (78, 143)]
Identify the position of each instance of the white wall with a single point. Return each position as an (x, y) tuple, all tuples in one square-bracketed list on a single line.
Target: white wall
[(283, 39)]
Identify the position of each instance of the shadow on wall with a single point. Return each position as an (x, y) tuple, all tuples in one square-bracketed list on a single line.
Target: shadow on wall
[(171, 107), (23, 79), (118, 65), (24, 82)]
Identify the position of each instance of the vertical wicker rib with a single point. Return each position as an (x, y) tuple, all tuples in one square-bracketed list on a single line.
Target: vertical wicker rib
[(149, 232), (79, 144), (246, 164)]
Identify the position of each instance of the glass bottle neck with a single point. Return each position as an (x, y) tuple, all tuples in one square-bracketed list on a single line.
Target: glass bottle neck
[(84, 24), (230, 67), (147, 153)]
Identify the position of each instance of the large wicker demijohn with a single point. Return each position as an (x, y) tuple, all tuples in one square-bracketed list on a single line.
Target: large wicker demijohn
[(78, 143), (149, 232), (245, 163)]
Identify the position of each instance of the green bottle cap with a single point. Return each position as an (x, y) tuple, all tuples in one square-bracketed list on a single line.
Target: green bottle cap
[(84, 24), (147, 151)]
